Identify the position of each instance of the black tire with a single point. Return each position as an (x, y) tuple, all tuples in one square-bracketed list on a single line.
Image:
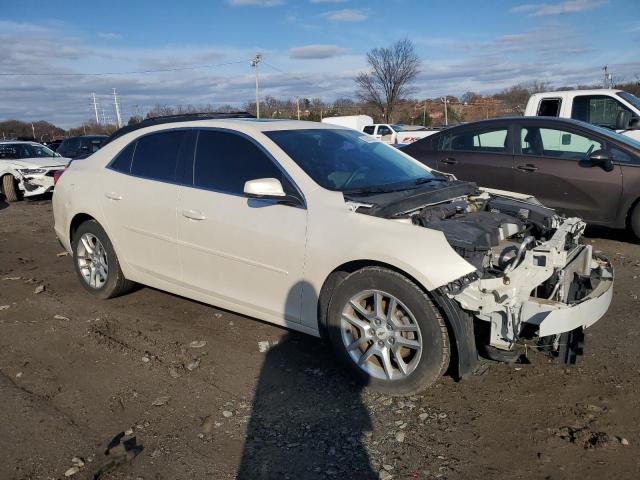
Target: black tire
[(435, 353), (10, 188), (634, 221), (116, 283)]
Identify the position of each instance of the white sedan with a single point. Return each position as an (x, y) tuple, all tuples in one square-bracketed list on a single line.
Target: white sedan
[(27, 169), (327, 231)]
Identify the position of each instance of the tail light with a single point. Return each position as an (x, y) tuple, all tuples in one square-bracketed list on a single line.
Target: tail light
[(56, 176)]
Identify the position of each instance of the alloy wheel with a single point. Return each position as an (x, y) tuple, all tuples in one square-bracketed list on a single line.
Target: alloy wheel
[(92, 261), (381, 335)]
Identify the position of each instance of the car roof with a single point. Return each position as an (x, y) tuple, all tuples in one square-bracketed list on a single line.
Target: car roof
[(522, 120), (592, 91), (241, 120), (22, 142)]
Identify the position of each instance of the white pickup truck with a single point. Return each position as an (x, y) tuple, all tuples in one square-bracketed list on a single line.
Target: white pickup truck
[(613, 109), (385, 132)]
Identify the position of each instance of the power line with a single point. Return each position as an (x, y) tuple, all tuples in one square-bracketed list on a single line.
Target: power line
[(133, 72)]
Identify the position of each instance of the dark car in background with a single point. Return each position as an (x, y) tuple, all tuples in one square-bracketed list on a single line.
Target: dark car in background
[(577, 168), (74, 147)]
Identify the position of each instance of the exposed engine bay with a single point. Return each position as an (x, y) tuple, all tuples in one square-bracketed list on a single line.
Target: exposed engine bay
[(534, 279)]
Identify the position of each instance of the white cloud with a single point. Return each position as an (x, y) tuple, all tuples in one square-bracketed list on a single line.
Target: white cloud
[(311, 52), (255, 3), (346, 15), (567, 6), (109, 36)]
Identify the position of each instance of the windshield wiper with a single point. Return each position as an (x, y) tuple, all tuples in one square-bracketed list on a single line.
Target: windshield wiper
[(375, 189), (422, 180)]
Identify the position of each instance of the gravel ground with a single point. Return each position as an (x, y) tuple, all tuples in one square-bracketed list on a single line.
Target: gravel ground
[(190, 383)]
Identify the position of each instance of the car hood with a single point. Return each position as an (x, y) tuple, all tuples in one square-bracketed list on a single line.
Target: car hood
[(39, 162)]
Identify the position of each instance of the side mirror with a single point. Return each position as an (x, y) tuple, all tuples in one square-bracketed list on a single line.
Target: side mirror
[(270, 189), (599, 158), (264, 188), (623, 120)]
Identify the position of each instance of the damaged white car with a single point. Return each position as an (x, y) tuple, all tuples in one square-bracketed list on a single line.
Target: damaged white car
[(327, 231), (27, 169)]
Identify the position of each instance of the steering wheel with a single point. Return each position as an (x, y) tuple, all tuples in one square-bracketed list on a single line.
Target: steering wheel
[(353, 175)]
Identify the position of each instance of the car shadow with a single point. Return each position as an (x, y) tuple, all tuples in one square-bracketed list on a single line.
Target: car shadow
[(621, 235), (3, 203), (308, 419)]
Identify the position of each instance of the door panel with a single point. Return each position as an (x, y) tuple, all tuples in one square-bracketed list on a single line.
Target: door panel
[(247, 251), (549, 168), (141, 219), (478, 155), (140, 198)]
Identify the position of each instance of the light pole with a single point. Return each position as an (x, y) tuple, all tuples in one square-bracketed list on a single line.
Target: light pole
[(446, 113), (254, 64)]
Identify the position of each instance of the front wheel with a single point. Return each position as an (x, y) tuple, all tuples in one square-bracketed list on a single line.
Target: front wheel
[(96, 262), (10, 188), (388, 332)]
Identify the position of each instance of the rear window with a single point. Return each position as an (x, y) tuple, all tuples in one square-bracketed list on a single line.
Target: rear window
[(549, 107), (156, 155)]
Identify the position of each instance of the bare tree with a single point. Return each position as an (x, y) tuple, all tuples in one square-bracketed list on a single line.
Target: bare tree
[(392, 71)]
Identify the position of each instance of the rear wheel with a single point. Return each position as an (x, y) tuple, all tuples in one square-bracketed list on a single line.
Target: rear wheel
[(388, 332), (96, 262), (10, 188)]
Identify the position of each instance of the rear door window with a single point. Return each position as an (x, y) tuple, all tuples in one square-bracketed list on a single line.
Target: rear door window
[(549, 107), (225, 161), (369, 129), (156, 155), (492, 140)]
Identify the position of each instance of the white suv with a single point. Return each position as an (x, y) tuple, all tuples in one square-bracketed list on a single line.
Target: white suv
[(327, 231)]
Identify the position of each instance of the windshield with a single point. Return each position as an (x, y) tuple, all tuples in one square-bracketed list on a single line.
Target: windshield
[(16, 151), (632, 99), (408, 128), (347, 161)]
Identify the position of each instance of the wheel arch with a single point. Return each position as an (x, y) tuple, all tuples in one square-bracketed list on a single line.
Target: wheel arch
[(77, 220), (464, 353), (630, 211)]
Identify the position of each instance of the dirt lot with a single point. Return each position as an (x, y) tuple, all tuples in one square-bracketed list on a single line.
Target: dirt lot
[(75, 371)]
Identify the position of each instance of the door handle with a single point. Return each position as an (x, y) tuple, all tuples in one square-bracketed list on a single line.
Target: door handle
[(449, 161), (193, 214), (113, 196), (528, 167)]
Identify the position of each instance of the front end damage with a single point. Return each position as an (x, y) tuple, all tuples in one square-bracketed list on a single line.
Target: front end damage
[(33, 182), (535, 284)]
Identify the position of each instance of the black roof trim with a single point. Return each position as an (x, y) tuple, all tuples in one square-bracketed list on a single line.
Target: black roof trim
[(185, 117)]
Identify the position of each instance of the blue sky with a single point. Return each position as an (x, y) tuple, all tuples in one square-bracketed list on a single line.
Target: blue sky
[(311, 48)]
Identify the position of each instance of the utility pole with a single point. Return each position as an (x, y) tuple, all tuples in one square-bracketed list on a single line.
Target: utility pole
[(298, 106), (95, 107), (424, 114), (33, 131), (608, 78), (445, 100), (104, 118), (254, 63), (115, 102)]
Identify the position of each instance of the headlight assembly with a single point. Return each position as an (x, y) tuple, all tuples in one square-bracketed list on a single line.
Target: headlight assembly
[(31, 171)]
